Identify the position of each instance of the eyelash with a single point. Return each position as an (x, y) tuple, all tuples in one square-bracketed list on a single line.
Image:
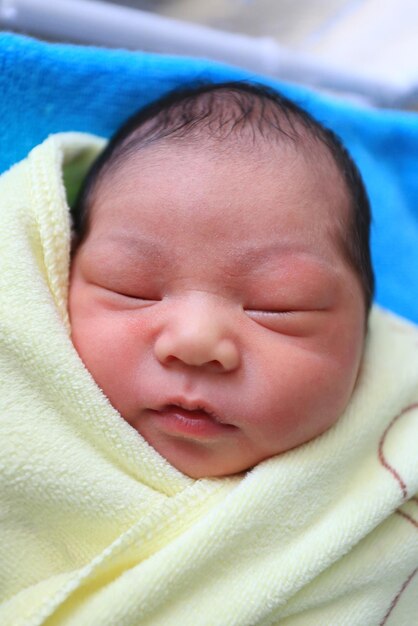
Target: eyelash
[(272, 311), (131, 297), (131, 301)]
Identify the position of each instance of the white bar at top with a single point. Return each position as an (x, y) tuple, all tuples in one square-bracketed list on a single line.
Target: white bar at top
[(102, 23)]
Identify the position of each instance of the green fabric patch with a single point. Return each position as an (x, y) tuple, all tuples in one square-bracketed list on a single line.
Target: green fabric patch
[(74, 173)]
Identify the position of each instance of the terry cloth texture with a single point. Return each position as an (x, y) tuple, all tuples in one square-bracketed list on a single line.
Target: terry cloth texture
[(50, 88), (97, 529)]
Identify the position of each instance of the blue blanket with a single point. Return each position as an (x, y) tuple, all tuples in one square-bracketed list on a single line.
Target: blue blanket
[(48, 88)]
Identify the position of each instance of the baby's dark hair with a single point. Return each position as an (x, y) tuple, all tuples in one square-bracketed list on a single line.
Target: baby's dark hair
[(242, 109)]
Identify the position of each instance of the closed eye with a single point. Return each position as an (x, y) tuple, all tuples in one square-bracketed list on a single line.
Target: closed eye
[(275, 317), (130, 299), (284, 312), (294, 322), (135, 301), (135, 296)]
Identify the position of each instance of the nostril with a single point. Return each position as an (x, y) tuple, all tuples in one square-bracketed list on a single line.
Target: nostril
[(217, 365), (214, 364), (170, 359)]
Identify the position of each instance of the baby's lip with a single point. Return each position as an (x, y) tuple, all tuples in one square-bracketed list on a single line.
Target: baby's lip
[(197, 409), (189, 419)]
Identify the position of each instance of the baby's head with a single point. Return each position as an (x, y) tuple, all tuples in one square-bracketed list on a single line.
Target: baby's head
[(221, 276)]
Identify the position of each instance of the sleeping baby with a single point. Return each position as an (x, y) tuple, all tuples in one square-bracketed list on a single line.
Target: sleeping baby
[(203, 419), (221, 277)]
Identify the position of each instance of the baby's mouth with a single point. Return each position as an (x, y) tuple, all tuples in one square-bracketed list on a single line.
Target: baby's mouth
[(197, 413), (195, 422)]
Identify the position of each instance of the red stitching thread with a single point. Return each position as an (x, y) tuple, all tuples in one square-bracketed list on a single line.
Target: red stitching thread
[(401, 513), (407, 517), (382, 459), (396, 598)]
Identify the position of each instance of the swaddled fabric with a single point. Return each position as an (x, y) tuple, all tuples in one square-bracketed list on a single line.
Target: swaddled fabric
[(97, 529)]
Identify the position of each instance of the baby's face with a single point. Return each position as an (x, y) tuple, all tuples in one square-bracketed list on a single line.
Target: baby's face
[(212, 303)]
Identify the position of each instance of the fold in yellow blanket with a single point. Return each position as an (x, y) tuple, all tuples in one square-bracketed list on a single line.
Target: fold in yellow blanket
[(98, 530)]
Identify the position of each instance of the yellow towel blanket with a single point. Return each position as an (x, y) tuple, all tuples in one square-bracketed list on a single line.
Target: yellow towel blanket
[(96, 529)]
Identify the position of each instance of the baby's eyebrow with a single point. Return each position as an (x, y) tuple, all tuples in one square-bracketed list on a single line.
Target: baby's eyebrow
[(138, 246), (253, 257)]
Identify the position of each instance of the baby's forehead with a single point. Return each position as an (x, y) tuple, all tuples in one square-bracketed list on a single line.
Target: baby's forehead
[(173, 168), (252, 148), (258, 157)]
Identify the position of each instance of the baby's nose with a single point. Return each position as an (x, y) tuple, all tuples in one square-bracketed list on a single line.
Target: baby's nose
[(198, 335)]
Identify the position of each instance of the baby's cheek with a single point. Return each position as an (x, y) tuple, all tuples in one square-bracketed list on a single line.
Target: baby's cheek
[(139, 327), (101, 345), (302, 396)]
